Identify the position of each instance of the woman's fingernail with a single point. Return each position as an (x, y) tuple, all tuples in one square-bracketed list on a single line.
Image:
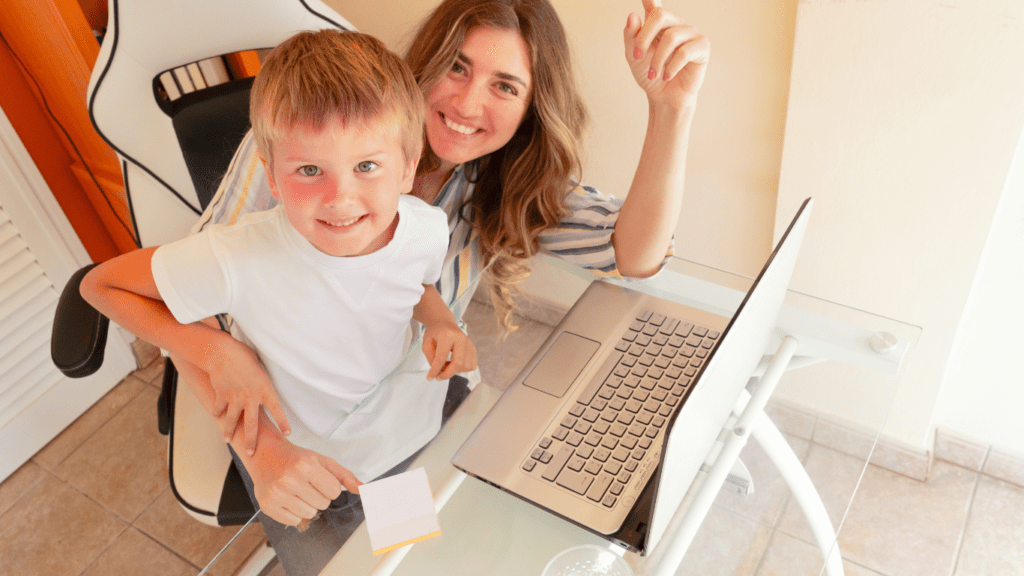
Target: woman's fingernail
[(637, 53), (651, 74), (250, 452)]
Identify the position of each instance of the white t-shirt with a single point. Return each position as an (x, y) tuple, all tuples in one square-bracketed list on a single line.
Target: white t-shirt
[(328, 329)]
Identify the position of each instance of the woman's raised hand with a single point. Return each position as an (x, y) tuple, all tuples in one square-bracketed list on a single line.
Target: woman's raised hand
[(667, 56)]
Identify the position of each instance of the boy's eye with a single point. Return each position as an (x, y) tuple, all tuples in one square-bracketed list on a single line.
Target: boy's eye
[(365, 166), (310, 170)]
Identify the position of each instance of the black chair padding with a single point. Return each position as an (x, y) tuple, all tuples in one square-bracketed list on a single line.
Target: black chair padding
[(210, 124), (235, 505), (79, 335), (165, 403)]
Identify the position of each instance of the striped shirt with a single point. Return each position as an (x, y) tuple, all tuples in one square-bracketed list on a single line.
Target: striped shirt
[(583, 237)]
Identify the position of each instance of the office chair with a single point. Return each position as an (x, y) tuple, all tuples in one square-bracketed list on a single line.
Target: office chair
[(172, 155)]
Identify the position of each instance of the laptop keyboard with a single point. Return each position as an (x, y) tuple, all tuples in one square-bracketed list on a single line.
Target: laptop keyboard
[(604, 439)]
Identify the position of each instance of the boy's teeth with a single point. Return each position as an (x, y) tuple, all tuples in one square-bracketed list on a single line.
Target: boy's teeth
[(459, 127), (343, 223)]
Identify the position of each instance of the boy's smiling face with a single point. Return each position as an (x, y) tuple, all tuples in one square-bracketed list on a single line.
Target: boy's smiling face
[(340, 185)]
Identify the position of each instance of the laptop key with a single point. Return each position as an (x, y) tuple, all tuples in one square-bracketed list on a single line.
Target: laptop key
[(616, 488), (593, 467), (576, 463), (612, 467), (644, 315), (575, 439), (595, 384), (575, 481), (599, 487), (584, 451), (609, 501), (556, 464), (670, 326), (622, 346), (528, 465), (684, 329)]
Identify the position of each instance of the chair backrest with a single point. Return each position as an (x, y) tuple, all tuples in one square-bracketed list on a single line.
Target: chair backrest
[(146, 38)]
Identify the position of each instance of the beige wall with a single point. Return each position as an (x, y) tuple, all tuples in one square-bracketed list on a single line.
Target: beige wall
[(903, 120)]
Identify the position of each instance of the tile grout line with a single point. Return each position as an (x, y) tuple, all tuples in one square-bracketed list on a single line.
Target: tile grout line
[(104, 551), (966, 522), (98, 428), (26, 491), (165, 547)]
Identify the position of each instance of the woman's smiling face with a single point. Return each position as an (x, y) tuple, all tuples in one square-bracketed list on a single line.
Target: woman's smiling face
[(476, 107)]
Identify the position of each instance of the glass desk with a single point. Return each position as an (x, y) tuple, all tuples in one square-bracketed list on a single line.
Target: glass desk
[(796, 480)]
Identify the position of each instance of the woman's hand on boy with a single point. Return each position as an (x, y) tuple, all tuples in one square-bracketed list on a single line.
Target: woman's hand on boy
[(448, 349), (240, 386), (292, 483), (667, 56)]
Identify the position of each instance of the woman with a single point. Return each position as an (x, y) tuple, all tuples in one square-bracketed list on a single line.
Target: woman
[(503, 131)]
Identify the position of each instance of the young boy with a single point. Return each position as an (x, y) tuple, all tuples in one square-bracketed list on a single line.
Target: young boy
[(321, 287)]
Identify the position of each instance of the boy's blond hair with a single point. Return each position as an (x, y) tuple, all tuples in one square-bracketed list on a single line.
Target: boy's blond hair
[(315, 77)]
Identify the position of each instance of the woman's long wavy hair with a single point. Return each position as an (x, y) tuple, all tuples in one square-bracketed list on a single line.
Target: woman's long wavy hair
[(519, 189)]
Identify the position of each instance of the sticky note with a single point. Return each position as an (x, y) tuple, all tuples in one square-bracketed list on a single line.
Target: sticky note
[(399, 511)]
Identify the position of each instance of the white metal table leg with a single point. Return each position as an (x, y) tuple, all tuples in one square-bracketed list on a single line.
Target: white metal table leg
[(665, 558), (793, 472)]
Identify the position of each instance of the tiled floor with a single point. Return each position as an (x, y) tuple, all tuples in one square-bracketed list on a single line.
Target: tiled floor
[(95, 501)]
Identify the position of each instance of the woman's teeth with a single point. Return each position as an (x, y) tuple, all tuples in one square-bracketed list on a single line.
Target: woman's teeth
[(459, 127)]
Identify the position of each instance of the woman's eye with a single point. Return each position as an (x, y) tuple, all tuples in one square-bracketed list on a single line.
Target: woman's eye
[(508, 88), (310, 170), (365, 166), (457, 67)]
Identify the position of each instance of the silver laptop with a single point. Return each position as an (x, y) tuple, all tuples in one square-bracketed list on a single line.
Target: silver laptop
[(609, 422)]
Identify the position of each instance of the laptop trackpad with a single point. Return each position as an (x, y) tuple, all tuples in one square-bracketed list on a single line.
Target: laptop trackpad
[(561, 364)]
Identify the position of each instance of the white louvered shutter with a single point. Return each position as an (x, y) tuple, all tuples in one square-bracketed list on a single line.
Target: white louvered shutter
[(39, 251), (27, 303)]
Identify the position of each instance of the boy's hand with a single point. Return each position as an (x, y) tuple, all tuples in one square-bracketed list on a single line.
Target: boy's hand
[(292, 483), (448, 350), (240, 385)]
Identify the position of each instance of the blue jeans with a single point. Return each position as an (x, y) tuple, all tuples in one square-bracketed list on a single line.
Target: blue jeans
[(307, 553)]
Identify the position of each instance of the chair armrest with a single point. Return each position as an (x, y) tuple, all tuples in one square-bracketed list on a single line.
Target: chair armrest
[(79, 335)]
